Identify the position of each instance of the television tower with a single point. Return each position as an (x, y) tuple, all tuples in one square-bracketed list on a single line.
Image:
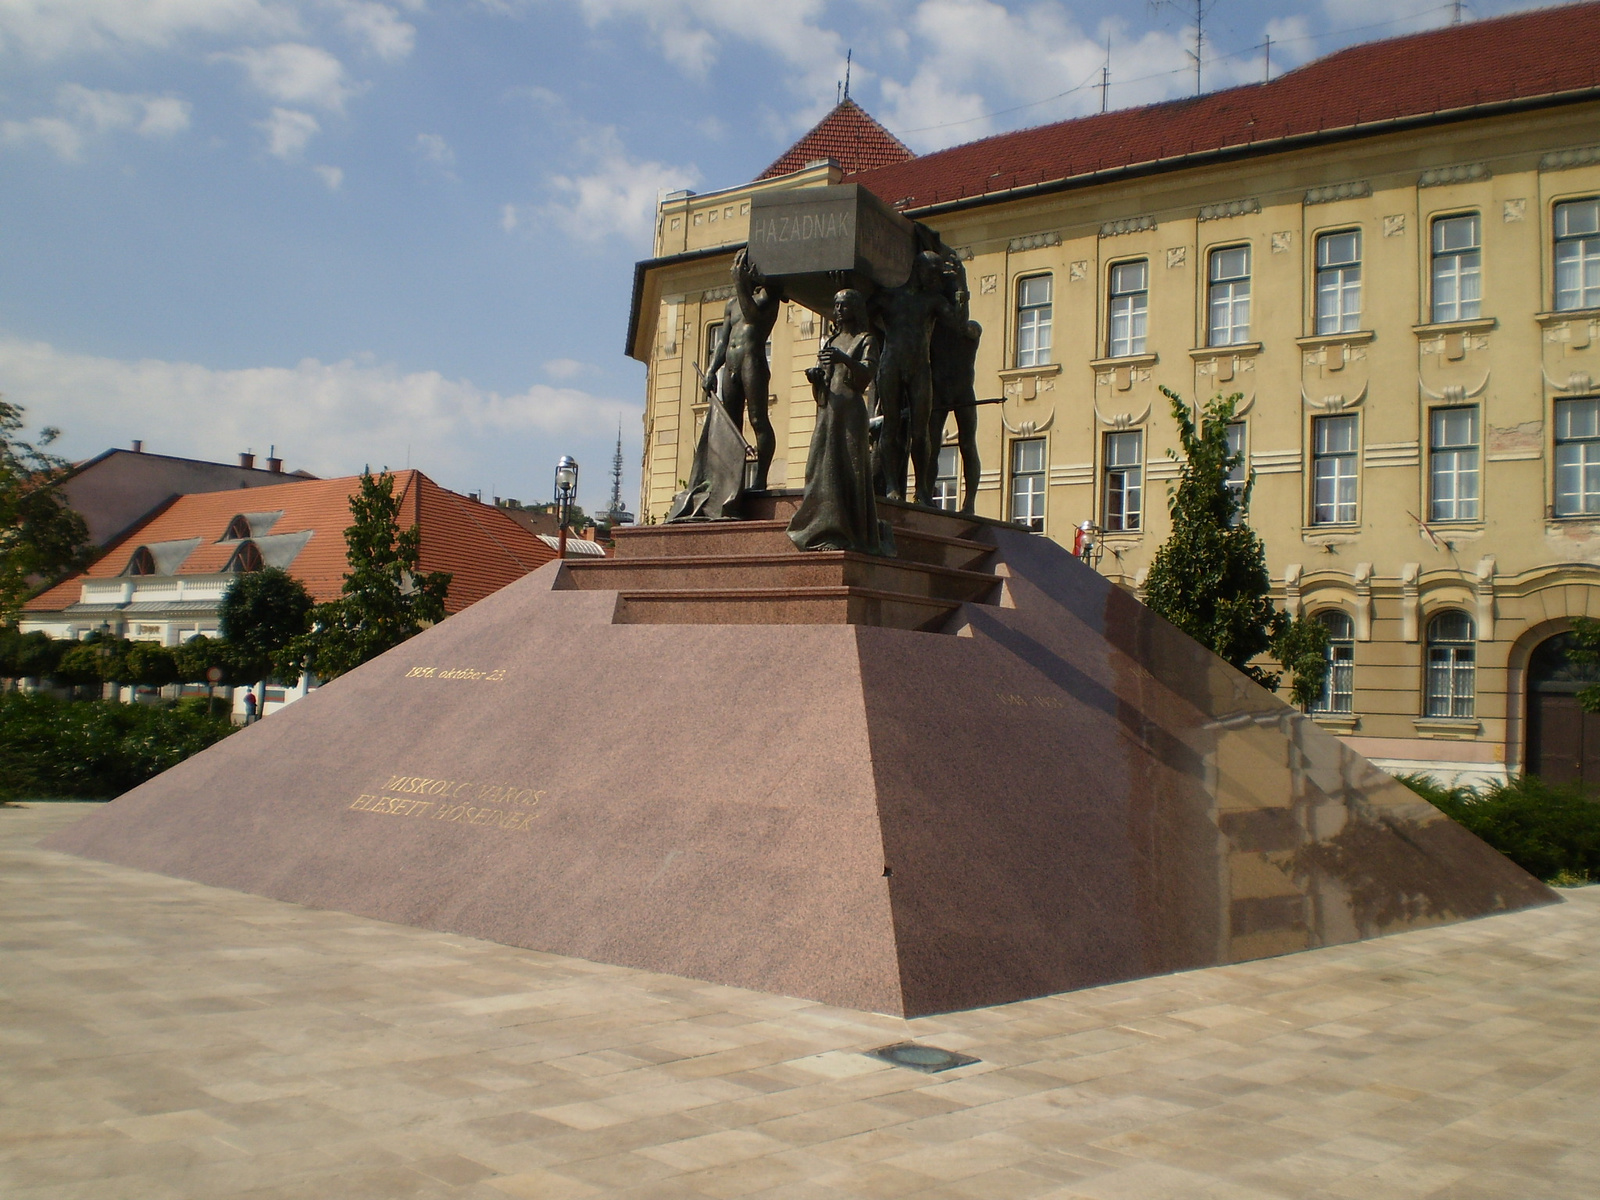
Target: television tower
[(614, 510)]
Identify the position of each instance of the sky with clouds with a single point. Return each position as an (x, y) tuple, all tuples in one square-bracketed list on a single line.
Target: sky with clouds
[(401, 232)]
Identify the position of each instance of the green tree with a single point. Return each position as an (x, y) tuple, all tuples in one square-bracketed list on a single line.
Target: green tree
[(261, 615), (150, 664), (1209, 578), (40, 537), (28, 655), (194, 660), (386, 599), (1586, 632)]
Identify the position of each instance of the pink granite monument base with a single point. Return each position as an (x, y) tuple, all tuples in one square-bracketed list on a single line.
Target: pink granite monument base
[(1052, 790)]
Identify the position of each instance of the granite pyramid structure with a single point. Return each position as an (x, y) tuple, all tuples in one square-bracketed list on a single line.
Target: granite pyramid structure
[(970, 775)]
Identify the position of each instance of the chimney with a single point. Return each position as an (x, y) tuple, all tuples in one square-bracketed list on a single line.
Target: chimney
[(588, 533), (475, 497), (247, 461), (274, 463), (138, 446)]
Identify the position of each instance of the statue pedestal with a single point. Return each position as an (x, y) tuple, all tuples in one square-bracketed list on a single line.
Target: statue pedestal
[(970, 775)]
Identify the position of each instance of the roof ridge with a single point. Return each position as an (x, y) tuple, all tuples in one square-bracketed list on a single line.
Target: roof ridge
[(1520, 56), (848, 134)]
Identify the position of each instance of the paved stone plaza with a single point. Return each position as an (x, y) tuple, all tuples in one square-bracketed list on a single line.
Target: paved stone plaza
[(160, 1039)]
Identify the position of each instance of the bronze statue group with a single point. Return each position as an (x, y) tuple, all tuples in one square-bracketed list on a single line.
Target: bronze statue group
[(892, 370)]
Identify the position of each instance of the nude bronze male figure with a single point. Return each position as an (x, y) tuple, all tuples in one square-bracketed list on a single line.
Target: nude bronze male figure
[(739, 360)]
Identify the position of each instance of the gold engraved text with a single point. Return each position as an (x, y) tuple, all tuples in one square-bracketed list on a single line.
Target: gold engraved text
[(470, 674)]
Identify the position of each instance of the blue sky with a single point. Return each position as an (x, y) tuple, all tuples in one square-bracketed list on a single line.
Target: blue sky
[(402, 231)]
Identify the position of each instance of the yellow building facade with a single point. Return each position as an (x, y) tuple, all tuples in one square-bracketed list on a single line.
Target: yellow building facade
[(1411, 316)]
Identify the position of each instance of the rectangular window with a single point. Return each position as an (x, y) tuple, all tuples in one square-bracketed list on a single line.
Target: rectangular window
[(1128, 308), (1577, 231), (713, 332), (1124, 481), (1028, 483), (1033, 321), (1577, 457), (1334, 444), (1457, 268), (1339, 282), (946, 480), (1239, 473), (1230, 297), (1453, 464)]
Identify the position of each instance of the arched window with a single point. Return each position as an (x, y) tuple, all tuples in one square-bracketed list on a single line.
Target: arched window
[(245, 559), (238, 529), (1451, 680), (1338, 686), (142, 563)]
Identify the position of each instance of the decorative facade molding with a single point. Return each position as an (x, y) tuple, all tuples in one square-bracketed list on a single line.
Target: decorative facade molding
[(1275, 462), (1484, 586), (1291, 590), (1352, 190), (1577, 156), (1034, 241), (1454, 393), (1363, 583), (1230, 208), (1392, 454), (1128, 225), (1459, 173), (1121, 420), (1410, 601), (1071, 474), (1028, 427), (1577, 382), (711, 295), (1337, 402)]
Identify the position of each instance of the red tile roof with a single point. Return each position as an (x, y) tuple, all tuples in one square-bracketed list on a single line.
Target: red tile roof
[(482, 547), (848, 136), (1543, 53)]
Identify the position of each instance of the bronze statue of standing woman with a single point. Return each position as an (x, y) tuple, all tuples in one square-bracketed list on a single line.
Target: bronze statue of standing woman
[(839, 511)]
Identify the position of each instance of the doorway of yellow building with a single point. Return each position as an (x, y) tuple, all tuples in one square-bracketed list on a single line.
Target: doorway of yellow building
[(1563, 740)]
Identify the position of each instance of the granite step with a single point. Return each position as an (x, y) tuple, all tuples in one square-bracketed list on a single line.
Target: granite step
[(771, 537), (783, 606), (783, 572)]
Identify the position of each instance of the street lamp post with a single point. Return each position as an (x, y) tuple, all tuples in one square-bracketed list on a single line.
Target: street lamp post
[(566, 489)]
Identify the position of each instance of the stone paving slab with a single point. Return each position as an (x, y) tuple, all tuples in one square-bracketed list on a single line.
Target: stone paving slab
[(161, 1039)]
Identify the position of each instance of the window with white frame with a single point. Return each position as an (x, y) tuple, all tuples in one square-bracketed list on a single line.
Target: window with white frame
[(1335, 442), (1034, 309), (1028, 483), (1229, 297), (1457, 268), (946, 479), (1577, 237), (1577, 457), (1128, 308), (713, 334), (1339, 282), (1453, 464), (1124, 481), (1451, 683), (1338, 685), (1239, 473)]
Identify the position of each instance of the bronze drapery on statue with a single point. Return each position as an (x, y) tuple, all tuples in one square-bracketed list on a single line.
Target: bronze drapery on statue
[(839, 511)]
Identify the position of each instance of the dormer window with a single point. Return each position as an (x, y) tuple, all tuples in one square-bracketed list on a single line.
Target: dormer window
[(142, 562), (245, 559), (238, 529)]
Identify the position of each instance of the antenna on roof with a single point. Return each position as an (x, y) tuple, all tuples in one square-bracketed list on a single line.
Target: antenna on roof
[(1268, 77), (1201, 8), (848, 53), (1105, 77), (1455, 12)]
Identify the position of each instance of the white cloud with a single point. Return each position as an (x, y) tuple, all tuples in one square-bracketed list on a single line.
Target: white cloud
[(379, 29), (295, 73), (87, 112), (432, 149), (565, 368), (332, 176), (508, 217), (617, 196), (46, 28), (288, 130), (328, 418)]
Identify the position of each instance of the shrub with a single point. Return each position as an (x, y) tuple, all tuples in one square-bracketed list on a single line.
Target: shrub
[(1549, 830), (93, 749)]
